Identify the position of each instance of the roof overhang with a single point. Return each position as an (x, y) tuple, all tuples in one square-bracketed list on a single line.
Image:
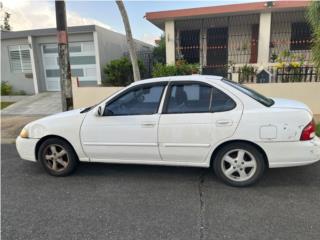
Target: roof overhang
[(45, 32), (158, 18)]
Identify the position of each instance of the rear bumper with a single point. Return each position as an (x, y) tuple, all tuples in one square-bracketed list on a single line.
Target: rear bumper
[(290, 154), (27, 148)]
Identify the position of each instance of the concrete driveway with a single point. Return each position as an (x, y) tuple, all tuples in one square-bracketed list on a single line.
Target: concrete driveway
[(105, 201), (46, 103)]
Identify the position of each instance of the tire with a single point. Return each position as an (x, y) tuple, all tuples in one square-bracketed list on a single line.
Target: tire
[(239, 164), (57, 157)]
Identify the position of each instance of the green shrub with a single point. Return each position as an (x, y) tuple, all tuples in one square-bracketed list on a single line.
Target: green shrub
[(318, 130), (6, 88), (119, 72), (159, 51), (180, 68)]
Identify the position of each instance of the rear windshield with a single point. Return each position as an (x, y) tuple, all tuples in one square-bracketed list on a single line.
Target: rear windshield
[(251, 93)]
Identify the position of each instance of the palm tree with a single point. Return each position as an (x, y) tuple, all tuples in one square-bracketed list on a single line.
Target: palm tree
[(131, 47), (313, 16)]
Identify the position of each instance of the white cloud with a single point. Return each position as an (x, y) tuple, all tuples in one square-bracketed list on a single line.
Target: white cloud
[(27, 14)]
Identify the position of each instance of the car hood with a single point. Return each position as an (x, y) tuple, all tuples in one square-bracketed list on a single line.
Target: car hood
[(57, 124), (288, 103), (63, 114)]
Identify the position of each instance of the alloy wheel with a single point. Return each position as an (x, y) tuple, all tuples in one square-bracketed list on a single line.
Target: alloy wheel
[(238, 165), (56, 157)]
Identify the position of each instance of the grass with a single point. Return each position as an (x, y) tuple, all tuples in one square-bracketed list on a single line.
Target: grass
[(318, 130), (5, 104)]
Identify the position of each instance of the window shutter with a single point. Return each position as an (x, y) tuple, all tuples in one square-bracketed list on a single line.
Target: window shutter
[(15, 61), (26, 60), (20, 60)]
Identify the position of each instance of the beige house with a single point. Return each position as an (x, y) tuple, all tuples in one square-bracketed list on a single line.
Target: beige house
[(223, 39)]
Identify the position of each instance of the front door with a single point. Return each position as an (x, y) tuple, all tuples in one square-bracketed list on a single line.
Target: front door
[(217, 51), (196, 117), (128, 130)]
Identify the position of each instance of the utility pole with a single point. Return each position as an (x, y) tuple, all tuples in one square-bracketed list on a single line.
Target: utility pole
[(64, 61)]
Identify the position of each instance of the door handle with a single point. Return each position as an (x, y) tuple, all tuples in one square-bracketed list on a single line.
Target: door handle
[(148, 124), (224, 122)]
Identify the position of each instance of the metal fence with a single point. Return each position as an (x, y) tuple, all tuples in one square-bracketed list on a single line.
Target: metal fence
[(147, 59), (278, 75), (301, 74)]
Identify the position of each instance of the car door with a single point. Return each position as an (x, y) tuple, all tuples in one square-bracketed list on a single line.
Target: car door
[(195, 117), (127, 131)]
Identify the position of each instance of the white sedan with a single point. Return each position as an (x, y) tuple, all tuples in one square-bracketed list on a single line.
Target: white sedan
[(196, 121)]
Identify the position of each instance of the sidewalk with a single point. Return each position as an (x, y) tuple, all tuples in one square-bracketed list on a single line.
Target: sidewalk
[(25, 110), (41, 104)]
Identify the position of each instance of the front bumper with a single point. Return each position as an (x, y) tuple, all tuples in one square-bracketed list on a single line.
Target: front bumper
[(27, 148), (290, 154)]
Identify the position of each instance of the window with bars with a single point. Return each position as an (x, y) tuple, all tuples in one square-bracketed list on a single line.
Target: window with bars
[(300, 36), (190, 45), (20, 60)]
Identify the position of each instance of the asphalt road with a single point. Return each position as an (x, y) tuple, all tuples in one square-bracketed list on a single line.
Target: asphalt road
[(104, 201)]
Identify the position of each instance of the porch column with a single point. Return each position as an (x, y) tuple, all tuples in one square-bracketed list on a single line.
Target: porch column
[(170, 46), (264, 38), (33, 65)]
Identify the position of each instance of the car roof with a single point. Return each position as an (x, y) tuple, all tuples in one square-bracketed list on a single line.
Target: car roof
[(193, 77)]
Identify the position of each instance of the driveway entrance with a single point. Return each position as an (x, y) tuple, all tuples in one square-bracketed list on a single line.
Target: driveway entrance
[(46, 103), (82, 60)]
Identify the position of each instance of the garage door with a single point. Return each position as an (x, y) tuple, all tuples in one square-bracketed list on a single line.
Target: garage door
[(82, 60)]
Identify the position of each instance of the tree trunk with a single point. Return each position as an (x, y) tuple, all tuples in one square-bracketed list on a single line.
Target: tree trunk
[(130, 42)]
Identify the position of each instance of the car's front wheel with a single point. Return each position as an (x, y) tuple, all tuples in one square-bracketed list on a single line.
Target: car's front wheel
[(239, 164), (57, 157)]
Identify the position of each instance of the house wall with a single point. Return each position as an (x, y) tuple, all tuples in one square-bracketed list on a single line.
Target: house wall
[(240, 32), (113, 45), (110, 45), (17, 80)]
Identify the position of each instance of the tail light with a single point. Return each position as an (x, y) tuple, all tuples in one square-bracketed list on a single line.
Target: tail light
[(309, 131)]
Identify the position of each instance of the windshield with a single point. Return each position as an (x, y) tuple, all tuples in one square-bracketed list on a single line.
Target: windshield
[(251, 93)]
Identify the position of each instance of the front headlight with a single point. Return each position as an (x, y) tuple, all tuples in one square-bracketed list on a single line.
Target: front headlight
[(24, 133)]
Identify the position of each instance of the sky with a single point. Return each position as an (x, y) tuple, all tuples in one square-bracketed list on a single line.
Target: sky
[(32, 14)]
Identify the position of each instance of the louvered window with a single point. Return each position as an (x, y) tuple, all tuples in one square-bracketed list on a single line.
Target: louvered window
[(20, 58)]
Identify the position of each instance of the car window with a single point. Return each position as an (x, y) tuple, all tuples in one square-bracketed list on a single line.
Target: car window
[(189, 98), (142, 100), (221, 102), (268, 102)]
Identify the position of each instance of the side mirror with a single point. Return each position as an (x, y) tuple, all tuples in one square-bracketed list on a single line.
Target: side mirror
[(99, 112)]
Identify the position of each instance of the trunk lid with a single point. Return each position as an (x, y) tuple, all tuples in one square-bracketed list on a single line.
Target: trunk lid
[(288, 103)]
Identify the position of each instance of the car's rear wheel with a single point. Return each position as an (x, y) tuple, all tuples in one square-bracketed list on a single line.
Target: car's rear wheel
[(57, 157), (239, 164)]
